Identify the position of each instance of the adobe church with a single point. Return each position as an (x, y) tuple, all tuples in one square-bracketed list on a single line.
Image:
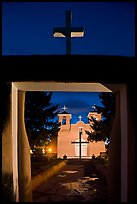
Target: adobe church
[(72, 139)]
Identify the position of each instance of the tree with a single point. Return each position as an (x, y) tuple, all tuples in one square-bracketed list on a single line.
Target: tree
[(40, 118), (101, 129)]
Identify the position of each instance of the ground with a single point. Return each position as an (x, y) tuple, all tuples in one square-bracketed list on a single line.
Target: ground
[(41, 164), (77, 181)]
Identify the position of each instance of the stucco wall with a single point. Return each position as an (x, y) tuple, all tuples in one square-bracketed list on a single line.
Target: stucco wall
[(70, 133), (25, 187), (6, 130), (7, 166)]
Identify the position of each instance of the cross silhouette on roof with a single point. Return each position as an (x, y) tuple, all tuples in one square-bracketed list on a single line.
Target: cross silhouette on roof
[(68, 32)]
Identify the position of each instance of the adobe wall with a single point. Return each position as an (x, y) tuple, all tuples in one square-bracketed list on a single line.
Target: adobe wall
[(7, 167), (25, 183), (6, 130), (114, 167), (9, 178), (68, 135)]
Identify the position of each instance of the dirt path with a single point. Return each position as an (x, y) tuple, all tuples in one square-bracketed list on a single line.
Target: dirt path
[(71, 184)]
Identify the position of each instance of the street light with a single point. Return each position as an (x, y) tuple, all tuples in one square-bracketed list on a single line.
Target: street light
[(50, 150)]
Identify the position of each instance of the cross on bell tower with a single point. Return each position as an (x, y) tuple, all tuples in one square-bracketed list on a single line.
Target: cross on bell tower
[(68, 32), (64, 108)]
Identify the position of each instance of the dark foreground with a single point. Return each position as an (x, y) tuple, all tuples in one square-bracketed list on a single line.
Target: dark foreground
[(74, 182)]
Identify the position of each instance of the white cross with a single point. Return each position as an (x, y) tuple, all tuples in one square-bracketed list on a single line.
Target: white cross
[(94, 107), (68, 32), (80, 117), (64, 108)]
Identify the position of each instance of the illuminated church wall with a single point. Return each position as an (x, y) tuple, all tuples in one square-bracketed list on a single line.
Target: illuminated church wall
[(68, 138)]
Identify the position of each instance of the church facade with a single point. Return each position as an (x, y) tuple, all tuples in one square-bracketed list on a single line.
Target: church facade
[(72, 139)]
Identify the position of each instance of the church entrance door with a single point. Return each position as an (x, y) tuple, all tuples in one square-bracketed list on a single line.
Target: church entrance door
[(83, 148)]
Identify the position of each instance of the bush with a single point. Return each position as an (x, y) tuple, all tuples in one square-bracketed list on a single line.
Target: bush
[(102, 161), (65, 156)]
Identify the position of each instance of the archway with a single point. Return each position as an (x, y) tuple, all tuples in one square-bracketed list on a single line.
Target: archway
[(119, 143)]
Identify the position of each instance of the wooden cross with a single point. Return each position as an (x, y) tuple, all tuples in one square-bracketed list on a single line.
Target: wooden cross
[(68, 32), (80, 142)]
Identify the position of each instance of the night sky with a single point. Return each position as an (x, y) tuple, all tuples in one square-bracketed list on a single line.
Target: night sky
[(27, 28), (109, 29), (77, 103)]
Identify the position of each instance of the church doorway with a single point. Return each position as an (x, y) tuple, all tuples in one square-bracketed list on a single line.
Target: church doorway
[(83, 148)]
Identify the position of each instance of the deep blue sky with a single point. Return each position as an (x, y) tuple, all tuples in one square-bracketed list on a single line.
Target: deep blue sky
[(77, 103), (109, 28)]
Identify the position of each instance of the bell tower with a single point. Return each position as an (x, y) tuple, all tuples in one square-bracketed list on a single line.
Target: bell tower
[(94, 114), (64, 119)]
